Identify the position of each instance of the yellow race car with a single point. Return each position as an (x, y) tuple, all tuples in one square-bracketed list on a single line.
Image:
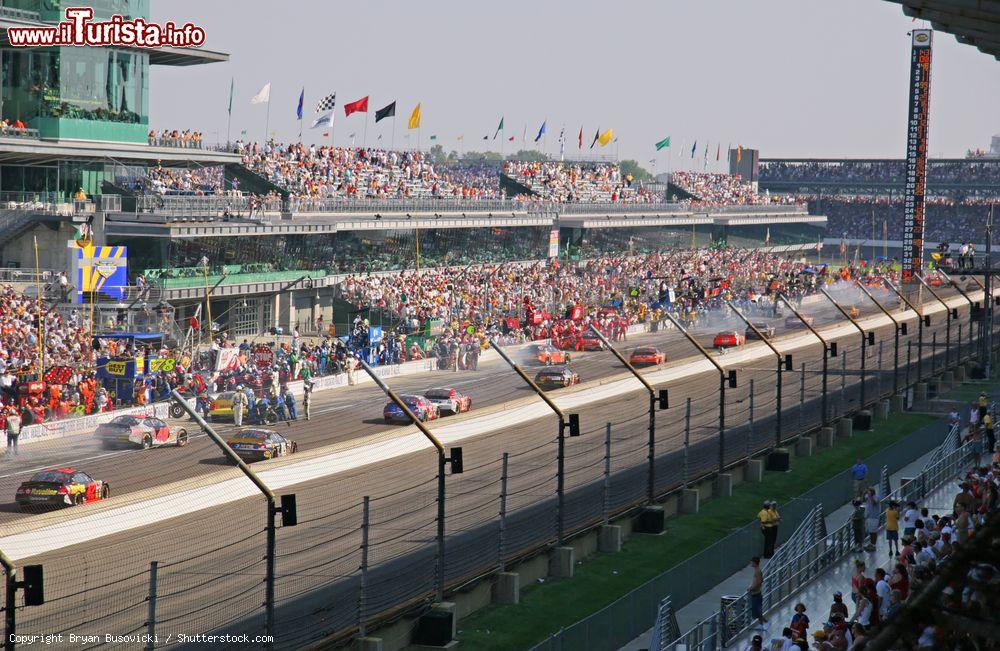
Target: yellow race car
[(221, 407)]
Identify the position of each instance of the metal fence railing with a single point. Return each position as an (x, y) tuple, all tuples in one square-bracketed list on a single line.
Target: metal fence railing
[(798, 569)]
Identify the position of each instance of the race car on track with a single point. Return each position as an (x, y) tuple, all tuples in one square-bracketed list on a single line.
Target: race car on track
[(548, 355), (793, 323), (221, 406), (449, 400), (136, 431), (254, 444), (646, 356), (766, 329), (421, 407), (555, 377), (61, 487), (589, 341), (729, 339)]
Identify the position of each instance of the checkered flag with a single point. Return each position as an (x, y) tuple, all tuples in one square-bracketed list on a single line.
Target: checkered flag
[(327, 103)]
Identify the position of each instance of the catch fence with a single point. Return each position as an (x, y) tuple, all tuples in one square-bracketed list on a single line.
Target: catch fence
[(366, 548)]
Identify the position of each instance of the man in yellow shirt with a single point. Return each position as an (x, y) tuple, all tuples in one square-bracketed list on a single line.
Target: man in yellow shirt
[(892, 528), (769, 528)]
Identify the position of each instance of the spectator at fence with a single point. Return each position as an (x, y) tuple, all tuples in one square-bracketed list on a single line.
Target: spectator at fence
[(892, 528), (768, 528), (859, 472), (755, 591)]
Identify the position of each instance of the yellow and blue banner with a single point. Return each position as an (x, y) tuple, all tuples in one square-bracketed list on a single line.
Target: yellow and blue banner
[(101, 269)]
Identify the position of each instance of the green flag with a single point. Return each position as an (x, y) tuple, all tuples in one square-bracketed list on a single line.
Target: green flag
[(499, 129), (663, 143), (232, 85), (434, 137)]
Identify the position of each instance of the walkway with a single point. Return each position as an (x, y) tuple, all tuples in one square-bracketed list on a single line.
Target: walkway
[(818, 595)]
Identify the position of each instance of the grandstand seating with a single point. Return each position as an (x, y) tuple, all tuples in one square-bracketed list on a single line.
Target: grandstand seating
[(577, 182)]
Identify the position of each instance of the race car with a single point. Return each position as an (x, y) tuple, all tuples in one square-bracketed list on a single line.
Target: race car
[(766, 329), (449, 400), (646, 356), (253, 444), (60, 487), (728, 339), (136, 431), (548, 355), (554, 377), (421, 407), (794, 323), (589, 341), (221, 406)]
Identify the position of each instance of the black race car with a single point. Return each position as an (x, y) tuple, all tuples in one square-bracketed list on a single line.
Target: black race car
[(555, 377)]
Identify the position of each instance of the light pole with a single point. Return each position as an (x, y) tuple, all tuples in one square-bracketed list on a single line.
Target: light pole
[(866, 338), (724, 378), (569, 422), (949, 314), (443, 460), (829, 350), (663, 401), (784, 363), (921, 322), (971, 304), (897, 329)]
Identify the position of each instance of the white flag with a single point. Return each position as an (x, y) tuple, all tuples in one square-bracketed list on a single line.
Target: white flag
[(323, 120), (264, 96)]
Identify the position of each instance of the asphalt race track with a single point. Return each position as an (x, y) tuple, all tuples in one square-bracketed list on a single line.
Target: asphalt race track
[(211, 567)]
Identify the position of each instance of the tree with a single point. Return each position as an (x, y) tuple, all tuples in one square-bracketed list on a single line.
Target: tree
[(436, 154), (528, 156), (637, 171)]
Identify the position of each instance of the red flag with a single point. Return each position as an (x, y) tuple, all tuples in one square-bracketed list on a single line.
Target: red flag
[(511, 139), (579, 139), (360, 106)]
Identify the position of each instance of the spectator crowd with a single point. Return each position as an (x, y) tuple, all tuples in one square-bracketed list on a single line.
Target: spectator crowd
[(554, 181)]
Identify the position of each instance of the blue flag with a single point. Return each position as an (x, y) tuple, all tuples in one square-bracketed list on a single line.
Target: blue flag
[(541, 132), (693, 147), (302, 98)]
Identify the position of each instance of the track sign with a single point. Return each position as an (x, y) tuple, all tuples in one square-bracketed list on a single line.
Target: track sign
[(574, 424), (732, 379), (871, 338), (34, 591), (902, 328), (788, 362), (833, 349), (456, 461), (927, 321), (289, 514), (664, 399)]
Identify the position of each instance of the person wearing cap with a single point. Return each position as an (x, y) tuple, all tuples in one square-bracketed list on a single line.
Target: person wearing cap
[(756, 644), (859, 472), (307, 390), (768, 528), (984, 405)]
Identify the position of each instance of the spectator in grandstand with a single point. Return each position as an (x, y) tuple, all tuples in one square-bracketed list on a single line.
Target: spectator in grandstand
[(754, 590)]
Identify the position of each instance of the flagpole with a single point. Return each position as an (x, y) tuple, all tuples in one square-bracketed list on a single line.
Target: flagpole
[(364, 136), (392, 145), (229, 120), (267, 120), (38, 296), (302, 116)]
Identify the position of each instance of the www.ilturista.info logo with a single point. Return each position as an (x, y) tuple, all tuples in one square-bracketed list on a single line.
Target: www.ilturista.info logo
[(78, 29)]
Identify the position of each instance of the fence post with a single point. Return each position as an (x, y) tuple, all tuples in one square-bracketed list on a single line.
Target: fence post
[(843, 383), (880, 342), (959, 345), (501, 543), (365, 522), (934, 353), (151, 616), (802, 397), (687, 439), (607, 472), (909, 362), (750, 433)]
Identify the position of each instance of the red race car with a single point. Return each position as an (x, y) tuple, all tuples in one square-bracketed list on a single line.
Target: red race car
[(549, 355), (646, 356), (141, 432), (729, 339), (449, 400), (589, 341), (61, 487)]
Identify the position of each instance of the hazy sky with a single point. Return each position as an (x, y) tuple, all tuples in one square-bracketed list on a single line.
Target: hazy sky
[(791, 77)]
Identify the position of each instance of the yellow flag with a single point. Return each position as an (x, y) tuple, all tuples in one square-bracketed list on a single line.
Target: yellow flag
[(414, 118), (606, 137)]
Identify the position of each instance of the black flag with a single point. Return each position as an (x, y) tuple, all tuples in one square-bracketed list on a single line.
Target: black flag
[(385, 112)]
